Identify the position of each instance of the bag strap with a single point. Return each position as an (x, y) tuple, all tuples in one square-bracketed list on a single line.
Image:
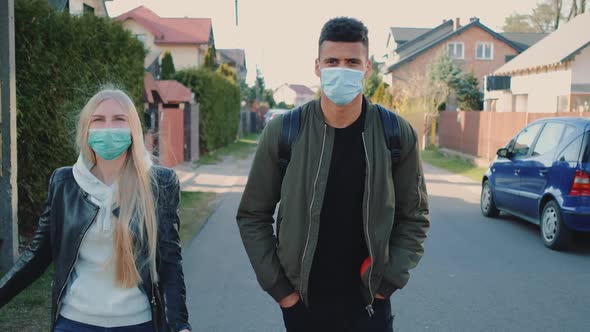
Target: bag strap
[(289, 133), (392, 133)]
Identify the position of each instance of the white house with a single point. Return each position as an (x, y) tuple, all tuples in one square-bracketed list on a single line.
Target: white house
[(551, 76), (79, 7), (187, 39), (293, 94)]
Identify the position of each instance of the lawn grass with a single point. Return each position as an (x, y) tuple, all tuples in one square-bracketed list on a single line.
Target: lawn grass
[(195, 208), (453, 164), (31, 309), (240, 149)]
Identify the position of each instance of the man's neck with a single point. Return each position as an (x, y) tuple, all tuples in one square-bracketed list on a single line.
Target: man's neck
[(341, 116)]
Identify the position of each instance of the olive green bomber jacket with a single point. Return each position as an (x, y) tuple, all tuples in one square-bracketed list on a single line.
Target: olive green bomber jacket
[(395, 206)]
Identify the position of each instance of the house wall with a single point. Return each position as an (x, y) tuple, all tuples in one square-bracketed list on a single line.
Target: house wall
[(581, 72), (544, 91), (77, 7), (286, 94), (184, 56), (419, 67)]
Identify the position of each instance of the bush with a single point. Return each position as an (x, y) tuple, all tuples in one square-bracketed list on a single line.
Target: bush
[(61, 61), (219, 101)]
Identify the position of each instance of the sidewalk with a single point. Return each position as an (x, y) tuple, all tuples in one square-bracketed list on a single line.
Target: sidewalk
[(222, 291)]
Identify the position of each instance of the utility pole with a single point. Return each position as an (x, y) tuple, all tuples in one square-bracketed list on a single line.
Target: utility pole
[(8, 188), (236, 12)]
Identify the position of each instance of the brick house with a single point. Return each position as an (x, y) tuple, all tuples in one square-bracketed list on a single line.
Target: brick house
[(187, 39), (474, 46)]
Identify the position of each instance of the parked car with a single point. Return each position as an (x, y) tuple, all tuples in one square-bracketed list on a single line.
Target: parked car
[(543, 176), (272, 113)]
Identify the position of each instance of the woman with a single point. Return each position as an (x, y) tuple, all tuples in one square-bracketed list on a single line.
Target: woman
[(110, 227)]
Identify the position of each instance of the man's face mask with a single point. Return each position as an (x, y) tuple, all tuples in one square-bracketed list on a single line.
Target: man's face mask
[(341, 85)]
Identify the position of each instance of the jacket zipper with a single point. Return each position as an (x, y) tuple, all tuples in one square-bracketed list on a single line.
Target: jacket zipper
[(369, 307), (58, 307), (310, 211)]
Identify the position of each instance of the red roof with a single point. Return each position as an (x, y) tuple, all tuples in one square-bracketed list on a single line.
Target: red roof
[(171, 92), (170, 30)]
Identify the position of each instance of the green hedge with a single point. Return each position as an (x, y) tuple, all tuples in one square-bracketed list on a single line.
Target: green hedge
[(61, 61), (219, 100)]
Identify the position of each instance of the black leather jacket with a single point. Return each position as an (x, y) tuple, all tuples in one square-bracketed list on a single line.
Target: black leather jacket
[(67, 217)]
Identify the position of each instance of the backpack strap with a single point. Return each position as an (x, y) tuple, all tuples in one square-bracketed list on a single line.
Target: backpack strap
[(392, 133), (289, 133)]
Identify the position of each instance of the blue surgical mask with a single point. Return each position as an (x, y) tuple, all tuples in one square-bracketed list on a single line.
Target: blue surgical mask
[(109, 143), (342, 85)]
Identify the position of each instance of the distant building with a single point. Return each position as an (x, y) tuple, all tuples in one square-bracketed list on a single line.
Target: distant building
[(187, 39), (79, 7), (551, 76), (293, 94), (474, 47), (235, 58)]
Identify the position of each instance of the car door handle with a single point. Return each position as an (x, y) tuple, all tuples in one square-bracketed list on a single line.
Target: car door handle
[(516, 171), (543, 172)]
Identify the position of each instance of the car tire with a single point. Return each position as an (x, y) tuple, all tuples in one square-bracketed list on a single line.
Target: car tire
[(487, 203), (554, 233)]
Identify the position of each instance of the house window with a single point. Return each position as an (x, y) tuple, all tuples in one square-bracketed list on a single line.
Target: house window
[(140, 37), (484, 51), (88, 9), (456, 50)]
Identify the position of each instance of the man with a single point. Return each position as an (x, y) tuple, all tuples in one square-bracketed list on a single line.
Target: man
[(351, 224)]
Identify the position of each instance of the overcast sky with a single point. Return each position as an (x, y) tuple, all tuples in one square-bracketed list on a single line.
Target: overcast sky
[(280, 37)]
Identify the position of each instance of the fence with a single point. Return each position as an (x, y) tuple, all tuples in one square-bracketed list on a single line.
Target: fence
[(481, 134)]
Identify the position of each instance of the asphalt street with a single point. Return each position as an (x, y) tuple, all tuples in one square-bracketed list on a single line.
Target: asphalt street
[(477, 274)]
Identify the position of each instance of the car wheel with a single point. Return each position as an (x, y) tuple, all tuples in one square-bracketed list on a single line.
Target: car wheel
[(554, 233), (487, 204)]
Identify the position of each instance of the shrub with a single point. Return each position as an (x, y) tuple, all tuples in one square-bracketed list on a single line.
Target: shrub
[(61, 61)]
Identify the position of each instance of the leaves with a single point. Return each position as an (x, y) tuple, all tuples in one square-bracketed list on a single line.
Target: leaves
[(61, 61), (219, 108)]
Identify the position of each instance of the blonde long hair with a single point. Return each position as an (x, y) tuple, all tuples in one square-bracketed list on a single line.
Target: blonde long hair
[(134, 194)]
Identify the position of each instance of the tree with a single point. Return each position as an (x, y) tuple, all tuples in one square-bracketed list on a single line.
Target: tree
[(228, 72), (284, 105), (447, 77), (168, 69), (373, 80), (210, 60), (545, 17), (518, 23)]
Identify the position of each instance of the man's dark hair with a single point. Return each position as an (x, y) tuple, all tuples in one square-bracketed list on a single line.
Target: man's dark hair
[(345, 29)]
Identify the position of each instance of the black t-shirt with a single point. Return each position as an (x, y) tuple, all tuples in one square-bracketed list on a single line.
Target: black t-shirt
[(341, 249)]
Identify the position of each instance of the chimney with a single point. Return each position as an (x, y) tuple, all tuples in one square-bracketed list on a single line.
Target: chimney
[(457, 23)]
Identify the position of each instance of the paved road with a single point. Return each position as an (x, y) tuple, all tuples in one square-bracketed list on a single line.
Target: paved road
[(478, 274)]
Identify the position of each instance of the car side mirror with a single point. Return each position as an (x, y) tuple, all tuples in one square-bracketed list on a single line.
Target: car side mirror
[(504, 153)]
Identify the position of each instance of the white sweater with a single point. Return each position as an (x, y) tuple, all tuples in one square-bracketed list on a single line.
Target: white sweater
[(92, 296)]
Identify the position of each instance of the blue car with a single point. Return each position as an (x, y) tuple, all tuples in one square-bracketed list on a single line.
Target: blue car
[(543, 176)]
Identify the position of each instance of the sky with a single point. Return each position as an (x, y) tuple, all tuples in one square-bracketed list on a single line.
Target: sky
[(280, 37)]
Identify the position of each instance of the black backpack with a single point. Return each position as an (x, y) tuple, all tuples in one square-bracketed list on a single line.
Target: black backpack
[(292, 123)]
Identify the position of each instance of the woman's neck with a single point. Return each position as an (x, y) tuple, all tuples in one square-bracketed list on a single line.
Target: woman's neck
[(108, 171)]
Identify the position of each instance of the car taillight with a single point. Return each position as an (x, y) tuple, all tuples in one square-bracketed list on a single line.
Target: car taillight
[(581, 185)]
